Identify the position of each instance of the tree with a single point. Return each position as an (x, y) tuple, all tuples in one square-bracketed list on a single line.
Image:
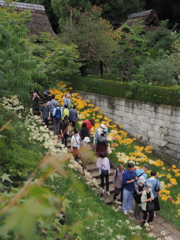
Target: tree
[(159, 71), (93, 36), (113, 11), (129, 53), (16, 67), (54, 59)]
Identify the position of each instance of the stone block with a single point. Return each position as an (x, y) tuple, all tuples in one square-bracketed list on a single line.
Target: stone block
[(174, 237), (170, 228), (161, 228), (174, 119)]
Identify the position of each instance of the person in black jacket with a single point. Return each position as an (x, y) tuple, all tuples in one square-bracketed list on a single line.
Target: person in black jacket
[(84, 131), (64, 129)]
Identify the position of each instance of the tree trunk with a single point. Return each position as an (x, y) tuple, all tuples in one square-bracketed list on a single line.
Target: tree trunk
[(101, 68)]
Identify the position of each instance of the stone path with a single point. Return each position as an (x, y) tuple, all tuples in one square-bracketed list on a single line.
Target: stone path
[(159, 223)]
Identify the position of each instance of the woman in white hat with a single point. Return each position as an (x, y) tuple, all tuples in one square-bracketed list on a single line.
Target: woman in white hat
[(147, 203), (138, 189), (86, 141)]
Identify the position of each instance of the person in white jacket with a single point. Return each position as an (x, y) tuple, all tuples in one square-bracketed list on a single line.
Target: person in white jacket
[(146, 198), (104, 171)]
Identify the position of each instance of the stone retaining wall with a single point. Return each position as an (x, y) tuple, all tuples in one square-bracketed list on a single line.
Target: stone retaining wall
[(159, 125)]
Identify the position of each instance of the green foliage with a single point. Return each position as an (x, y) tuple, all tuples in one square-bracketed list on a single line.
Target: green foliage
[(92, 35), (160, 39), (129, 53), (16, 66), (54, 59), (114, 11), (136, 91), (159, 71)]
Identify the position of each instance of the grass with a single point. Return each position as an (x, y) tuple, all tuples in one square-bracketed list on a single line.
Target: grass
[(102, 221)]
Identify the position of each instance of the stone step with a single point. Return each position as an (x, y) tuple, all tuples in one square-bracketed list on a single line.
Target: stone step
[(91, 167), (95, 173), (110, 180), (109, 199)]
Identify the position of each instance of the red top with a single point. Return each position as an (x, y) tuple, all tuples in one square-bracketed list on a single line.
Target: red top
[(89, 125)]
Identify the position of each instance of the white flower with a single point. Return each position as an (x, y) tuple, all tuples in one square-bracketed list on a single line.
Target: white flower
[(163, 233)]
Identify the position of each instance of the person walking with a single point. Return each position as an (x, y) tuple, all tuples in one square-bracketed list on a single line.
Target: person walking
[(75, 144), (101, 145), (155, 190), (45, 113), (104, 170), (35, 100), (117, 182), (129, 177), (138, 189), (84, 131), (101, 128), (65, 111), (52, 105), (73, 116), (142, 172), (64, 129), (147, 203), (67, 100), (89, 124), (56, 119)]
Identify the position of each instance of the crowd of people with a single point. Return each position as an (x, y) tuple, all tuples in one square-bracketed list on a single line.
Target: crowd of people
[(132, 184), (128, 183)]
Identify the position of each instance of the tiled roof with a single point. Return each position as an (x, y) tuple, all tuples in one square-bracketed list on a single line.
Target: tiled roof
[(24, 6), (140, 14)]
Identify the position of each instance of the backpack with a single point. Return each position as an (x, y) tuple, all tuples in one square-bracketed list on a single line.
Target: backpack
[(58, 114)]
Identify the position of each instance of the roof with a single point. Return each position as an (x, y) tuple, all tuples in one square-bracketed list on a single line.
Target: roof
[(148, 18), (23, 6), (40, 22)]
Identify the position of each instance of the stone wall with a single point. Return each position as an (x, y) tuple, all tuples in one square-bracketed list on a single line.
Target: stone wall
[(159, 125)]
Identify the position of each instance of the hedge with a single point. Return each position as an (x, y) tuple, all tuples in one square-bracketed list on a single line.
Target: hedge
[(145, 93)]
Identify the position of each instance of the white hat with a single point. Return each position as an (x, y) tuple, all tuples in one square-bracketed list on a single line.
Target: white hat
[(141, 179), (103, 126), (86, 139)]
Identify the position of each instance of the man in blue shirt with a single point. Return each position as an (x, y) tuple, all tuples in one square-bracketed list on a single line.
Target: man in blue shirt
[(129, 177), (142, 172)]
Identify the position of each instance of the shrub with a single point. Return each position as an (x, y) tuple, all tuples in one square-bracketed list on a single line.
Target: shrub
[(145, 93)]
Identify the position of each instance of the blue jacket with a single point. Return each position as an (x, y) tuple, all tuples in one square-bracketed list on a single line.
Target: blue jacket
[(73, 115), (127, 176)]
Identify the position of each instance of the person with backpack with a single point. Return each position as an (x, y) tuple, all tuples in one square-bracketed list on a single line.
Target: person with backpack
[(102, 144), (155, 190), (73, 116), (117, 182), (67, 100), (64, 129), (56, 119), (138, 189), (52, 104)]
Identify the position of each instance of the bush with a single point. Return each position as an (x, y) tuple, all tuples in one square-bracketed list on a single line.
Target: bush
[(135, 91)]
